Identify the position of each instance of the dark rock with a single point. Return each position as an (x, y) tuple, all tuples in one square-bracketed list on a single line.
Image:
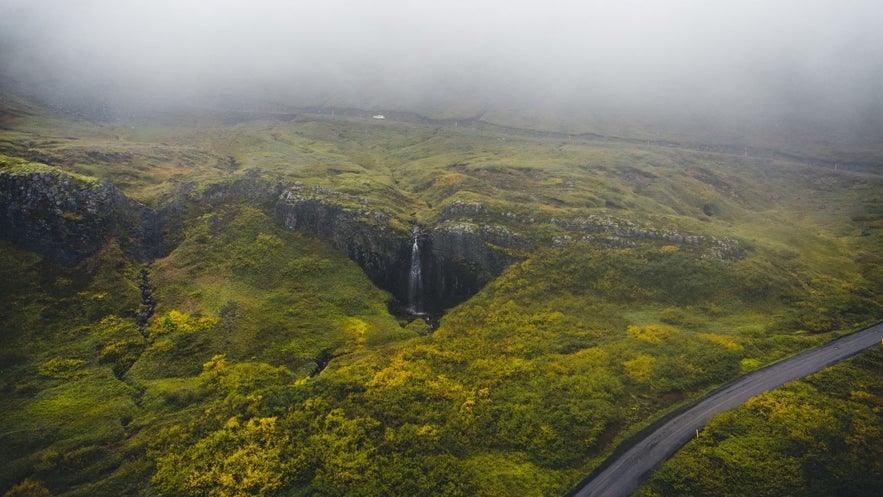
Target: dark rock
[(55, 214), (68, 218), (459, 259), (141, 230), (383, 254), (708, 209), (148, 303), (459, 263)]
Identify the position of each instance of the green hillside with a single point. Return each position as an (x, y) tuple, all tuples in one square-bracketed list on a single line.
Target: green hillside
[(820, 436), (645, 274)]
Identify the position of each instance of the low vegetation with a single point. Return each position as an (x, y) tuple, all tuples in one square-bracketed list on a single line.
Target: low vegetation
[(271, 365), (819, 436)]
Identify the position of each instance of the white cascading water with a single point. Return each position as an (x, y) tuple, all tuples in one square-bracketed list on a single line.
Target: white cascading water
[(415, 279)]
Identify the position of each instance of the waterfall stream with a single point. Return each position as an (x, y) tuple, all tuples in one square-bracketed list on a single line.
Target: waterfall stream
[(415, 278)]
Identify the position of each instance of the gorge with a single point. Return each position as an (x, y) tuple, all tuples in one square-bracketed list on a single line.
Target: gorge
[(69, 218)]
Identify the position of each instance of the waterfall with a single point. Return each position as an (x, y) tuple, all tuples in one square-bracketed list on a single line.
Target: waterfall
[(415, 279)]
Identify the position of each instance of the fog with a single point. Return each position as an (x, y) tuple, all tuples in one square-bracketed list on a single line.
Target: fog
[(814, 60)]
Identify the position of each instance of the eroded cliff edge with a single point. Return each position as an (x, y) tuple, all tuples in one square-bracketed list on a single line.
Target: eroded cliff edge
[(458, 258), (68, 218)]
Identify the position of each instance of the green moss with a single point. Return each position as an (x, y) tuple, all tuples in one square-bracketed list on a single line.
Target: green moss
[(61, 368), (18, 167), (271, 343), (810, 437), (72, 216)]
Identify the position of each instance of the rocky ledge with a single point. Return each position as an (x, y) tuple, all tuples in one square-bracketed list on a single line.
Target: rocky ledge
[(67, 217), (458, 259)]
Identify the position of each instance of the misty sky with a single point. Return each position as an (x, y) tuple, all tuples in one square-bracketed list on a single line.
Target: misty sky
[(749, 56)]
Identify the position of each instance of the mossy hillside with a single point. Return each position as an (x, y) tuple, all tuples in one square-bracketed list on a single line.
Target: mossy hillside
[(520, 391), (818, 436), (549, 373), (65, 416), (409, 168), (280, 297), (15, 166), (816, 140), (60, 299), (84, 390)]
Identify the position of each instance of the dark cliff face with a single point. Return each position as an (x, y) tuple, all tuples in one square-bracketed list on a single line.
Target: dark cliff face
[(365, 235), (457, 260), (55, 214), (142, 231), (460, 259), (68, 218)]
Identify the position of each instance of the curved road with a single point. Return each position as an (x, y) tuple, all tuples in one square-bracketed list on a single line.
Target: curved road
[(624, 471)]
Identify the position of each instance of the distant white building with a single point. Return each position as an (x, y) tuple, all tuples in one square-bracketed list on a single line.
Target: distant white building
[(379, 116)]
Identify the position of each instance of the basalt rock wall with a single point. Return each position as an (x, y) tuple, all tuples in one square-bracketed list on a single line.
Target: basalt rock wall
[(364, 235), (68, 218), (461, 258), (457, 260)]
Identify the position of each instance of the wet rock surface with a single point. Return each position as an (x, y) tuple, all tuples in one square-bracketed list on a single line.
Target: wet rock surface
[(67, 218)]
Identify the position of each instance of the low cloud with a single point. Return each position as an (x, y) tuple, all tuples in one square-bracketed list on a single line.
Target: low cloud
[(814, 59)]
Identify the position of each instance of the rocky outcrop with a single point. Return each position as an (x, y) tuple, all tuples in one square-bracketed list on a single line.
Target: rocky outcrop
[(463, 257), (364, 234), (253, 188), (143, 232), (50, 212), (618, 233), (67, 217), (458, 259)]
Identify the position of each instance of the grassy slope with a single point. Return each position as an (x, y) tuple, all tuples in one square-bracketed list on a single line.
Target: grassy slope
[(521, 391)]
